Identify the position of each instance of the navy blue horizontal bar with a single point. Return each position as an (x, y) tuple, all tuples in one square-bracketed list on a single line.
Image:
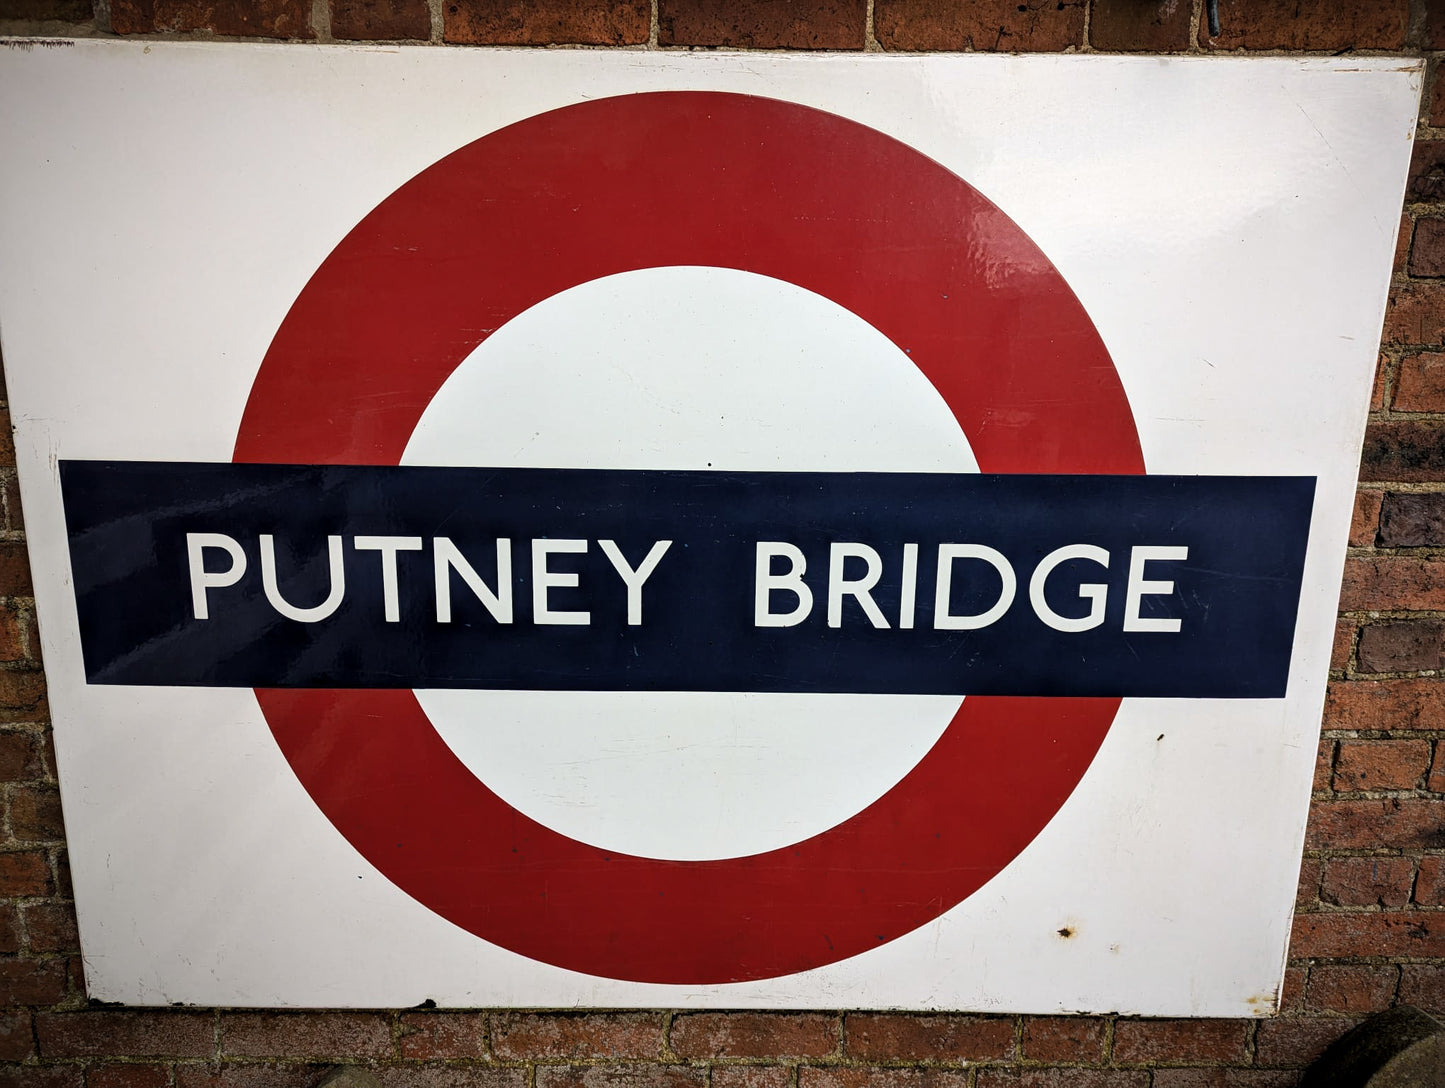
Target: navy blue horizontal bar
[(1171, 586)]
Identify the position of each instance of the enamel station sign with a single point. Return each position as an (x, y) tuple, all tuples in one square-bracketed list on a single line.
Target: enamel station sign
[(613, 529)]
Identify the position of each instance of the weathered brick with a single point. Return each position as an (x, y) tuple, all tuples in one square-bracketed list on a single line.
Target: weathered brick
[(1221, 1077), (20, 756), (1063, 1039), (1412, 519), (14, 512), (32, 982), (104, 1033), (898, 1037), (17, 1037), (1423, 985), (547, 22), (1430, 882), (380, 20), (263, 1075), (1381, 764), (1348, 988), (1367, 882), (1394, 705), (1324, 764), (1294, 1042), (1365, 521), (1435, 782), (1141, 1041), (1393, 823), (812, 1076), (51, 927), (1308, 888), (1413, 933), (129, 1075), (14, 570), (1123, 26), (751, 1076), (1401, 646), (41, 1076), (1436, 113), (754, 1035), (1416, 313), (35, 814), (22, 695), (65, 11), (1427, 247), (306, 1035), (1310, 25), (450, 1076), (1389, 582), (1427, 171), (1344, 643), (1005, 26), (10, 929), (15, 640), (1420, 384), (524, 1036), (229, 18), (1063, 1078), (443, 1035), (1292, 990), (25, 873), (1404, 237), (763, 24), (621, 1076)]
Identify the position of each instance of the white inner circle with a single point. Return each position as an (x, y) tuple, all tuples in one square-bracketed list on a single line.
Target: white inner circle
[(689, 368)]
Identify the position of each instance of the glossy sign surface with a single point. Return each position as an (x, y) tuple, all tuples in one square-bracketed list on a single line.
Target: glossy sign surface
[(751, 270)]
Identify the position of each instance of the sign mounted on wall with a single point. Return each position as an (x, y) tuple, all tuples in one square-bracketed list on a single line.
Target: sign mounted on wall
[(690, 530)]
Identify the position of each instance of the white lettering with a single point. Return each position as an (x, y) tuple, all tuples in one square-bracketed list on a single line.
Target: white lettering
[(202, 579), (634, 579), (544, 580), (447, 557), (765, 582), (1095, 592), (857, 588), (1138, 587), (388, 546), (273, 591), (943, 619)]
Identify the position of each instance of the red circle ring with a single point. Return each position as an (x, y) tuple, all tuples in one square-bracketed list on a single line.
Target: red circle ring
[(645, 181)]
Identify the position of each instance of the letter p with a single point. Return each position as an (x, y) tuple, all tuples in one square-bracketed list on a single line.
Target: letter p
[(201, 579)]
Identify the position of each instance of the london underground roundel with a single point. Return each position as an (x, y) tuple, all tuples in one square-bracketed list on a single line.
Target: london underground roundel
[(654, 180)]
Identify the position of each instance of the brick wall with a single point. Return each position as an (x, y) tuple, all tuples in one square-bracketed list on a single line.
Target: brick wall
[(1370, 929)]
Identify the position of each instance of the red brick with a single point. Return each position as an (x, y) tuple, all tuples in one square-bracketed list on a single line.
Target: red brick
[(621, 1076), (1401, 646), (1427, 171), (1063, 1039), (1218, 1077), (32, 982), (229, 18), (1437, 101), (1414, 933), (35, 814), (1420, 386), (307, 1035), (1403, 239), (527, 1036), (25, 873), (14, 512), (754, 1035), (1365, 521), (63, 887), (443, 1035), (1436, 780), (1416, 314), (1003, 26), (1356, 990), (10, 939), (22, 695), (1292, 990), (1393, 823), (1344, 644), (51, 927), (129, 1075), (262, 1075), (113, 1034), (1367, 882), (812, 1076), (30, 11), (15, 570), (1407, 450), (17, 1038), (1423, 985), (547, 22), (1312, 25), (763, 24), (1063, 1078), (751, 1076), (1381, 764), (20, 757), (1412, 519), (7, 438), (895, 1037), (1393, 705), (1430, 882), (1308, 889), (1388, 582), (380, 20), (1139, 1041), (40, 1076), (15, 643), (1324, 764), (1295, 1042), (1123, 26), (1377, 387), (1427, 248), (450, 1076)]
